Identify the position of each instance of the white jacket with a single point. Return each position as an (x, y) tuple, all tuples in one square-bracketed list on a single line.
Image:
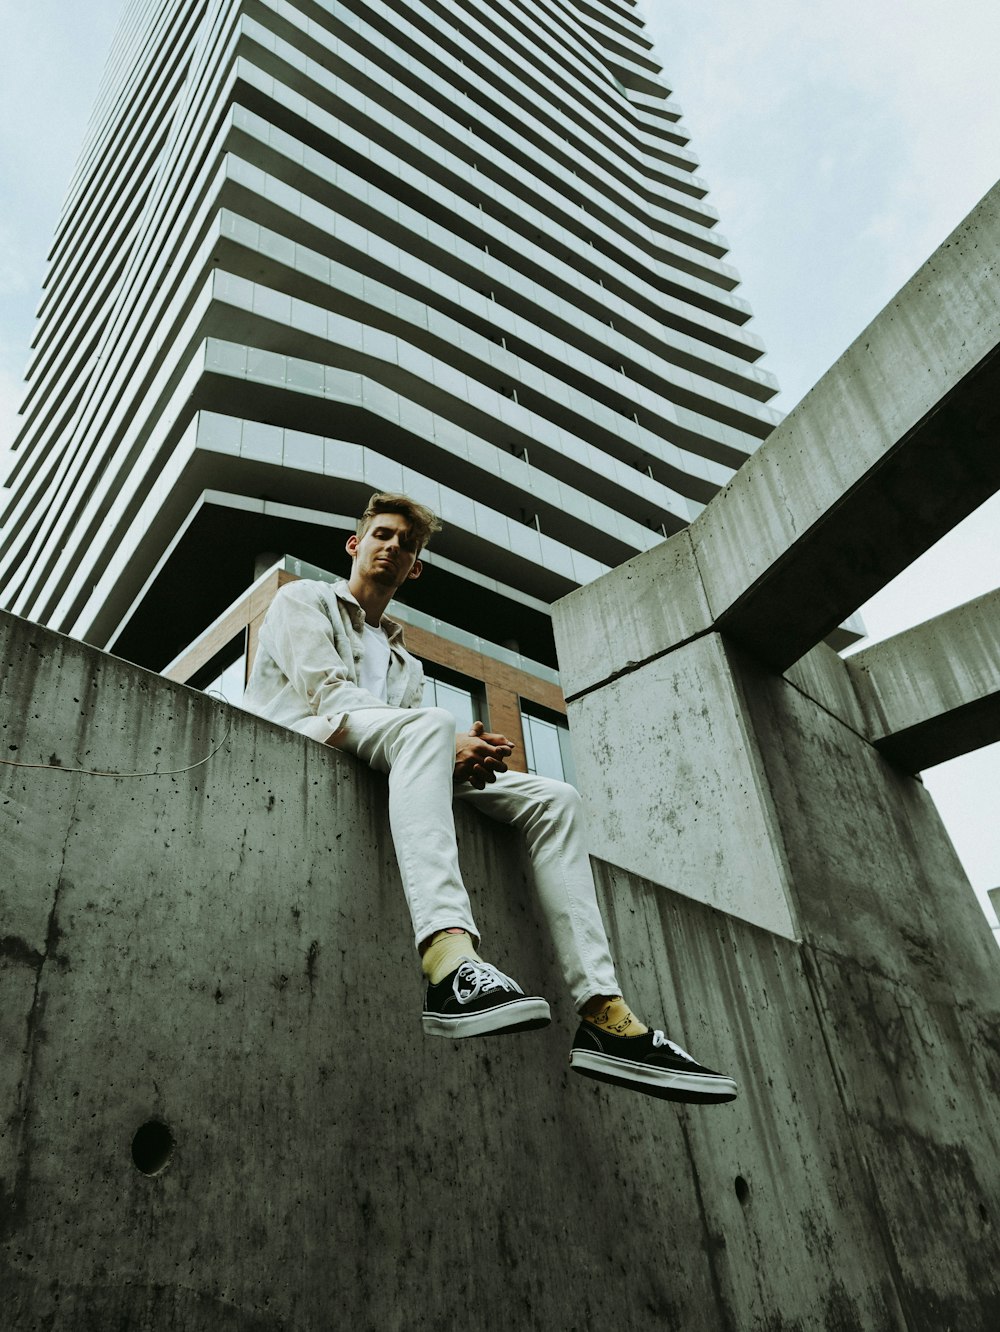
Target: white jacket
[(305, 673)]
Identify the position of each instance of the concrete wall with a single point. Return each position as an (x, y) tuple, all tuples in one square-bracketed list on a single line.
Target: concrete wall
[(893, 445), (226, 950)]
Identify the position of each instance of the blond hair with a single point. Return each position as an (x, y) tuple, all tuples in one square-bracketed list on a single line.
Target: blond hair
[(422, 522)]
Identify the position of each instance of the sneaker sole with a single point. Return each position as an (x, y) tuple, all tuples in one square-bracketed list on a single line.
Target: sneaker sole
[(519, 1015), (667, 1084)]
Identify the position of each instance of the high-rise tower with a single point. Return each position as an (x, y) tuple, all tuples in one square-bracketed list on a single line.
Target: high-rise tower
[(315, 248)]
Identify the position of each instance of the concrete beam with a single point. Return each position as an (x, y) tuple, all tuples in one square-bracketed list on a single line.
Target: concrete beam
[(933, 692), (893, 447)]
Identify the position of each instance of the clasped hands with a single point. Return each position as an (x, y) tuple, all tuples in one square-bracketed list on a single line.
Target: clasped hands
[(480, 755)]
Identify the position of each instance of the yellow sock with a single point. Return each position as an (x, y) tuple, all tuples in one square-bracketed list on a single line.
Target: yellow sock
[(613, 1015), (444, 952)]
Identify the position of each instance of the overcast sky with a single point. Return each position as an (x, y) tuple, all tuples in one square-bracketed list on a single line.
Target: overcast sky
[(842, 141)]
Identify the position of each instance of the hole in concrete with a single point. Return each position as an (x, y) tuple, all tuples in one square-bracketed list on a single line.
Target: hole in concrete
[(152, 1147), (742, 1189), (984, 1214)]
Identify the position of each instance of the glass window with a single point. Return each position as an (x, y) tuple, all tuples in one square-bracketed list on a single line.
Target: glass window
[(230, 683), (547, 748), (462, 699), (226, 672)]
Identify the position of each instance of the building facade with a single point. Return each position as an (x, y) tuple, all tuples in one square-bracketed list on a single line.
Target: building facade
[(313, 249)]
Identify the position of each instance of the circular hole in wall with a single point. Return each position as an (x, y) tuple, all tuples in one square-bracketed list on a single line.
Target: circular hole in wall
[(742, 1188), (152, 1147)]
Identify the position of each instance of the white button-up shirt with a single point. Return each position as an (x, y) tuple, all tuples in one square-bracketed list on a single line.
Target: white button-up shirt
[(307, 671)]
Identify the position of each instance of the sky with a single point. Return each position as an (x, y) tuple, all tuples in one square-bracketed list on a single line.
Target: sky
[(842, 140)]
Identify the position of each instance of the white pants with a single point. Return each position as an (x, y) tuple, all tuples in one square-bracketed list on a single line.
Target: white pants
[(416, 747)]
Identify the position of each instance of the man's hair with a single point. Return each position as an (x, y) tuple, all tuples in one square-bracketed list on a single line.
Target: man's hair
[(423, 522)]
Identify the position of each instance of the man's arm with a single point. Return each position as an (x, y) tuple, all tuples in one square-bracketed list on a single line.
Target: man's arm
[(299, 637)]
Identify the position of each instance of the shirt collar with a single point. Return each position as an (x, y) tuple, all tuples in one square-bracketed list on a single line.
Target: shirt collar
[(392, 628)]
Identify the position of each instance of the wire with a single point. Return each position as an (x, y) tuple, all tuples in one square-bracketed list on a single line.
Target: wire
[(96, 772)]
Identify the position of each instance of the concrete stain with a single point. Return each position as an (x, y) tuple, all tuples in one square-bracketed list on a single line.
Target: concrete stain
[(312, 957), (19, 950)]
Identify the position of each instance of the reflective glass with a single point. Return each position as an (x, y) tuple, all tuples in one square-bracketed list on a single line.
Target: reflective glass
[(547, 748), (230, 683), (459, 702)]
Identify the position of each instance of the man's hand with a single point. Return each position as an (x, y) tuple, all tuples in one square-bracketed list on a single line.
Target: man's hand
[(480, 755)]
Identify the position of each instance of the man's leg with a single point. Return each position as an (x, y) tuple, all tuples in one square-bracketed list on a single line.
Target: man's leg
[(610, 1045), (416, 748), (548, 814)]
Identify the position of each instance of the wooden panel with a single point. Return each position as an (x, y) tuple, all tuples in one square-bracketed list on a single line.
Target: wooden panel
[(477, 666), (504, 709), (250, 608), (260, 609)]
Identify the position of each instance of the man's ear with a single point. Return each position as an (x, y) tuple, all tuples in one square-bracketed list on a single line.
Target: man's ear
[(417, 569), (352, 545)]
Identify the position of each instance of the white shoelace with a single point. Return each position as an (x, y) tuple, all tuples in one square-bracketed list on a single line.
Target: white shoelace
[(475, 978), (660, 1039)]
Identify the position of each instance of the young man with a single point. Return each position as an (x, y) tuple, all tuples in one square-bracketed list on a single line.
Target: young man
[(331, 664)]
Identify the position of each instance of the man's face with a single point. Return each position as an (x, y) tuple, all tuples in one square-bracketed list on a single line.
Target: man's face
[(387, 552)]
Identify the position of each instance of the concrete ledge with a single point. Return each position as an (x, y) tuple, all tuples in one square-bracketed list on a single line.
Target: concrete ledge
[(933, 692)]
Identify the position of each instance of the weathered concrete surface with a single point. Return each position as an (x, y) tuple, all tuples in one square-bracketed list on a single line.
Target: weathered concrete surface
[(638, 611), (666, 660), (895, 950), (762, 796), (933, 692), (679, 791), (820, 675), (716, 776), (893, 446), (873, 876), (676, 791), (227, 949)]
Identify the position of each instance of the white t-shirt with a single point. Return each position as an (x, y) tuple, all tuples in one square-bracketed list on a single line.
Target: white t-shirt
[(304, 675), (374, 672)]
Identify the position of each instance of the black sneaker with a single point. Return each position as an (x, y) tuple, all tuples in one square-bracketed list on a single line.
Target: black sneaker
[(649, 1063), (477, 999)]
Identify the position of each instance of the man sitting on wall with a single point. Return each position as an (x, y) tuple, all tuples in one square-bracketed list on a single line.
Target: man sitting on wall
[(331, 664)]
